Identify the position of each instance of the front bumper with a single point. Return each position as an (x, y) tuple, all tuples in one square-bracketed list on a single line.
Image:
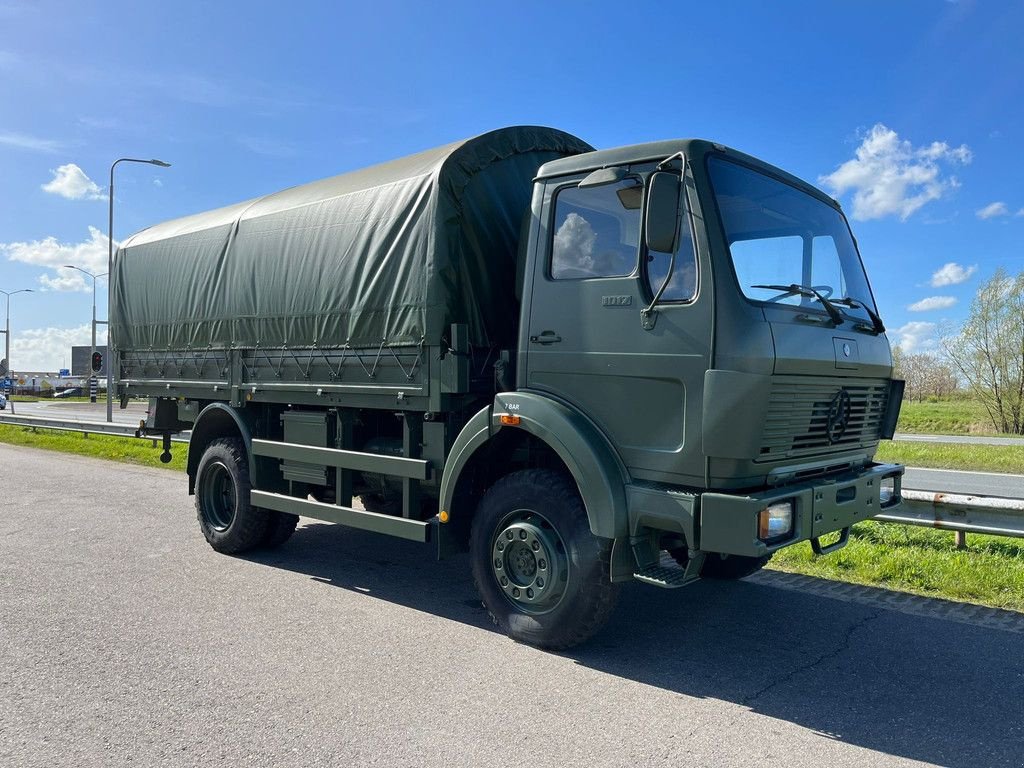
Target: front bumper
[(728, 522)]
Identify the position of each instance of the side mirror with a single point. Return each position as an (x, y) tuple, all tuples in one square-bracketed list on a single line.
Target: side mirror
[(662, 222)]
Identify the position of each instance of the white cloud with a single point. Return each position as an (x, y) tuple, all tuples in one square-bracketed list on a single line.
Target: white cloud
[(34, 143), (932, 302), (68, 280), (915, 336), (71, 182), (49, 349), (952, 274), (157, 183), (1020, 212), (574, 244), (90, 255), (992, 210), (891, 177)]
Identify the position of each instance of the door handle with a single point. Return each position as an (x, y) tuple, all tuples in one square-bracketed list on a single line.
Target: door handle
[(548, 337)]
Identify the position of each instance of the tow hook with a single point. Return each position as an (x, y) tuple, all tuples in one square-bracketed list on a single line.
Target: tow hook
[(844, 537)]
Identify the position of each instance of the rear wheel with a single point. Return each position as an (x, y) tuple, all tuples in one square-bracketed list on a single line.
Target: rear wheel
[(543, 576), (228, 521), (280, 528)]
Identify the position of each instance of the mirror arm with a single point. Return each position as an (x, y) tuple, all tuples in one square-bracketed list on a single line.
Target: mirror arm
[(677, 156), (648, 315)]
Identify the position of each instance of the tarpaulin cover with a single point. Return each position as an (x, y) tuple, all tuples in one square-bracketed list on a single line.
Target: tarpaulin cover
[(393, 253)]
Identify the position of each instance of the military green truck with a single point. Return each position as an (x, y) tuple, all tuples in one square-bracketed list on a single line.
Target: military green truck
[(657, 362)]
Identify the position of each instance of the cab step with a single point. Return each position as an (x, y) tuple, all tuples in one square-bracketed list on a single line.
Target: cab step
[(668, 574), (665, 576)]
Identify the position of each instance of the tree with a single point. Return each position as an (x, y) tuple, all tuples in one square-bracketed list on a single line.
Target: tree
[(925, 375), (989, 350)]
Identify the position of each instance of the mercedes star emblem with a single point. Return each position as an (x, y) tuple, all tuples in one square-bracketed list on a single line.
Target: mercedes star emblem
[(838, 416)]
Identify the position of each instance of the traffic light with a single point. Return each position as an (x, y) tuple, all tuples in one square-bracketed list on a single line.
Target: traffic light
[(97, 362)]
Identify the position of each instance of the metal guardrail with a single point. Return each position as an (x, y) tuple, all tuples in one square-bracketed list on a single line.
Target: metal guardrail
[(959, 513), (113, 429)]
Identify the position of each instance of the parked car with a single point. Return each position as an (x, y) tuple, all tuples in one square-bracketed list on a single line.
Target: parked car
[(3, 402), (69, 392)]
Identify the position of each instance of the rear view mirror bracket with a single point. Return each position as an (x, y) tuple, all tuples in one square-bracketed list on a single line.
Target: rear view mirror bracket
[(661, 227)]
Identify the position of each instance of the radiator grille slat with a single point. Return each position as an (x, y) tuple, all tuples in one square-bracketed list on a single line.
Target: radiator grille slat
[(796, 424)]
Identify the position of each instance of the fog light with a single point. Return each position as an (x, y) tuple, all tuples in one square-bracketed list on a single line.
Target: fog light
[(887, 493), (775, 521)]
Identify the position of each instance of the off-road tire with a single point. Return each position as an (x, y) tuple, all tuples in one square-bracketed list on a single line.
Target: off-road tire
[(587, 596), (280, 528), (374, 502), (732, 566), (228, 521)]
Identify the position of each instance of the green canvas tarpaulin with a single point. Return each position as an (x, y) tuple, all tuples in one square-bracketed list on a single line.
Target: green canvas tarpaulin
[(393, 253)]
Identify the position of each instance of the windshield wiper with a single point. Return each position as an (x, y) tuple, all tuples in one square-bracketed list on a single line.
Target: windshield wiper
[(806, 290), (876, 321)]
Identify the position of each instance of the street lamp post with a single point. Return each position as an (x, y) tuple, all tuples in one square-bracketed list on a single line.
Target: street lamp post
[(92, 376), (110, 270), (7, 338)]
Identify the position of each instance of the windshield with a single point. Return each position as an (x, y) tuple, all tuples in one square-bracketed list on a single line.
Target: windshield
[(780, 236)]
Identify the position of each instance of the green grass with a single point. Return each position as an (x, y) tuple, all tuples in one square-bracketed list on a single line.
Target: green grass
[(952, 416), (977, 458), (127, 449), (922, 561)]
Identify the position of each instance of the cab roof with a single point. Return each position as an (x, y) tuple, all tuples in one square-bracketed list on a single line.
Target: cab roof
[(694, 149)]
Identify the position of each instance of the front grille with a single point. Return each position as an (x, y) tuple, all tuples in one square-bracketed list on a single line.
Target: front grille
[(797, 423)]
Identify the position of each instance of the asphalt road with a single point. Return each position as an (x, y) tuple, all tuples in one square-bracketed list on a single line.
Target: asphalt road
[(126, 640), (972, 483)]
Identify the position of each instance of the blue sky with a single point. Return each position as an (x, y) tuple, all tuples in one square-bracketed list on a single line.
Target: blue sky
[(912, 113)]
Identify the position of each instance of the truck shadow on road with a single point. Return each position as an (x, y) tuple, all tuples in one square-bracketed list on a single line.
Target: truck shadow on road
[(929, 689)]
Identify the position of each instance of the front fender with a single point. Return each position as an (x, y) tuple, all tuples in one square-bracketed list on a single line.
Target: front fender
[(586, 452)]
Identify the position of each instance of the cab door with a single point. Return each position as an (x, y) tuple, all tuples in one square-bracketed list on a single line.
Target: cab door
[(583, 336)]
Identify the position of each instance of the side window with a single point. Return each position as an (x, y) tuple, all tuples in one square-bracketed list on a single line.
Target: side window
[(683, 285), (597, 231)]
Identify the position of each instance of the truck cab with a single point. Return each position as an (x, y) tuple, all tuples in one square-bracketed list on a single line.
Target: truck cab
[(711, 316)]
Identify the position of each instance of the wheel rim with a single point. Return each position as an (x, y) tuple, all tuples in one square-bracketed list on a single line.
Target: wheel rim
[(529, 562), (218, 494)]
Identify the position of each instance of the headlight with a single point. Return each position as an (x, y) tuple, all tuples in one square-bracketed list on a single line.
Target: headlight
[(888, 491), (775, 521)]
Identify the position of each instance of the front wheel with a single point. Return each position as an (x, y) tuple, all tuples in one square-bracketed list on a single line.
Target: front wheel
[(543, 576)]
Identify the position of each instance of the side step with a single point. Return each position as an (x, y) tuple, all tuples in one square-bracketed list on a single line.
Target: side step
[(667, 574), (403, 528)]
